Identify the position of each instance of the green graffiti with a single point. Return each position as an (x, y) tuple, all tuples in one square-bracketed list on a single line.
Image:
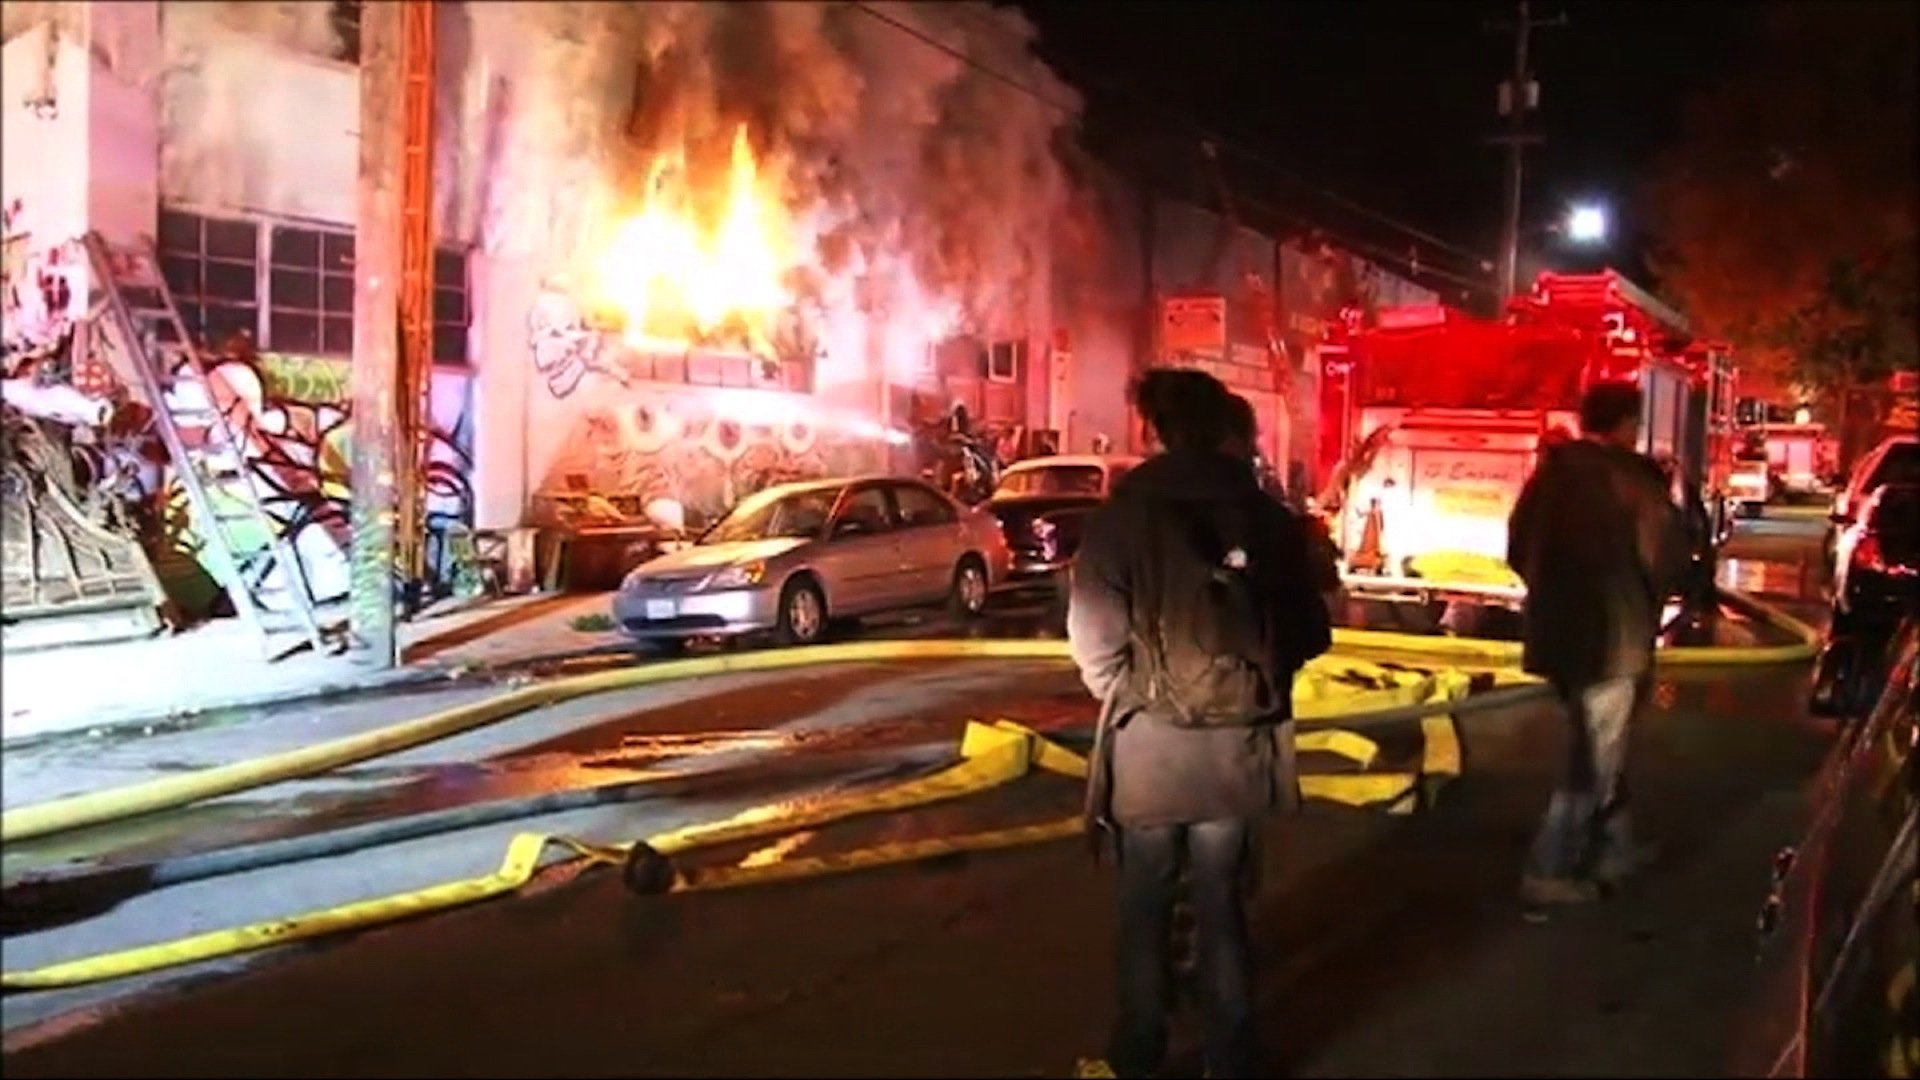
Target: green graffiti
[(310, 380)]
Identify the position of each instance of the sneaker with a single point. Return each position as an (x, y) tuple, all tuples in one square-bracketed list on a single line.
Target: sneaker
[(1093, 1069)]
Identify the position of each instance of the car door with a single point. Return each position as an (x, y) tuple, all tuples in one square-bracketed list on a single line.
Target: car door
[(929, 540), (861, 557)]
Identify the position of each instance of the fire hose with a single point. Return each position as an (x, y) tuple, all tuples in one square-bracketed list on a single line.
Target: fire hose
[(169, 792), (987, 759), (647, 863)]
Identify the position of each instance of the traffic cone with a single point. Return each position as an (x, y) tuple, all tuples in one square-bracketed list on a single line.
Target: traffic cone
[(1369, 557)]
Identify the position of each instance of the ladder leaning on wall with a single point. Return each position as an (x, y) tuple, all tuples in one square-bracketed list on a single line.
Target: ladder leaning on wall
[(258, 566)]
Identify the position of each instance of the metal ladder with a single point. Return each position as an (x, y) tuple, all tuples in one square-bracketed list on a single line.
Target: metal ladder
[(264, 578)]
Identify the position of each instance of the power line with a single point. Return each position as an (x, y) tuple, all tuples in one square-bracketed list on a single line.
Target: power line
[(1081, 75), (960, 55), (1188, 122), (1373, 251)]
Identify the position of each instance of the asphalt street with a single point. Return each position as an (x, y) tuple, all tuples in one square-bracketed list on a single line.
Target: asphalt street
[(1388, 945)]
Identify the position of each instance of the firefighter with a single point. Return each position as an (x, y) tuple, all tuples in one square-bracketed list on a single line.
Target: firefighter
[(1600, 545)]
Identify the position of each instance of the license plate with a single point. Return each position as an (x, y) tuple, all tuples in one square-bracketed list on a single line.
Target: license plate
[(662, 609)]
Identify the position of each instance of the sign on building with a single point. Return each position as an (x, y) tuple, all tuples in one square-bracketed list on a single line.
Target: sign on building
[(1193, 324)]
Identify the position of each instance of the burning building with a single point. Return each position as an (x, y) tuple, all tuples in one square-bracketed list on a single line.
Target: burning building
[(685, 250)]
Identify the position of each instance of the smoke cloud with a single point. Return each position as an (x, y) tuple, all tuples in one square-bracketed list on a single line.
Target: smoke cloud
[(915, 182), (912, 179)]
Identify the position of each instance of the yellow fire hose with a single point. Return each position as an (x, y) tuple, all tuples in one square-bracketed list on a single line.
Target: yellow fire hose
[(1311, 701), (990, 755)]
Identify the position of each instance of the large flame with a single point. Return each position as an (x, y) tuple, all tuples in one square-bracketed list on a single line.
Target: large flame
[(675, 280)]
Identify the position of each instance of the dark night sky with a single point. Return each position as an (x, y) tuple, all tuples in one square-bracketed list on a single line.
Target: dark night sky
[(1388, 103)]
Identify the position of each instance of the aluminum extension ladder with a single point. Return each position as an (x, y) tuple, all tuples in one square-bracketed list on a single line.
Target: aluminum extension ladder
[(262, 572)]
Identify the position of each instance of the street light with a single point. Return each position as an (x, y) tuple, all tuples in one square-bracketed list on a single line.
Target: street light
[(1587, 224)]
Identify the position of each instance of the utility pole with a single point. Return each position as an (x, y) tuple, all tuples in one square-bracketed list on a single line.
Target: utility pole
[(1519, 95), (389, 364)]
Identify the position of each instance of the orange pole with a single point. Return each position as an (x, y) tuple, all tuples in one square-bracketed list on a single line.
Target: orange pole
[(416, 283)]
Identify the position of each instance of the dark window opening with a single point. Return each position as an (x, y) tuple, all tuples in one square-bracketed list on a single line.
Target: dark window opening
[(1004, 359), (345, 16), (212, 266), (306, 290)]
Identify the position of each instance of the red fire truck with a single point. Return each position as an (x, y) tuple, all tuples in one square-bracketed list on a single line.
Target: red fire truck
[(1431, 420)]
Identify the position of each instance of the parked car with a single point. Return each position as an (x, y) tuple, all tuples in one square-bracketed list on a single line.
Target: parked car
[(1042, 503), (1876, 583), (1895, 461), (1835, 982), (790, 558)]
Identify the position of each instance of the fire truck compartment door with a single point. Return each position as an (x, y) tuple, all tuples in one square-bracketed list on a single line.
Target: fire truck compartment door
[(1460, 498)]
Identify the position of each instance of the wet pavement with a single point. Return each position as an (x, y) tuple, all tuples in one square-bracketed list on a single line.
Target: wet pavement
[(1387, 946), (1397, 903)]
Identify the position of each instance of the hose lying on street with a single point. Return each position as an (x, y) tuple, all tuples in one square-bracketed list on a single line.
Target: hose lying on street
[(43, 902), (95, 808)]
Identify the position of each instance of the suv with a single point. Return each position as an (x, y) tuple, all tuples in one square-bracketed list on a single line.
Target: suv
[(1895, 461), (1835, 992)]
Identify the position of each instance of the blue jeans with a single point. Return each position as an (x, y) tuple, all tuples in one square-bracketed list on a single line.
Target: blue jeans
[(1587, 826), (1218, 859)]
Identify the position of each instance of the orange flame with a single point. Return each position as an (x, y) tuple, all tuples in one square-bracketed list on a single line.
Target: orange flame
[(675, 280)]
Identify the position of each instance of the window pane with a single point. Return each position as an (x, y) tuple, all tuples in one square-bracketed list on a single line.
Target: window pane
[(449, 307), (296, 247), (867, 510), (337, 294), (450, 344), (182, 274), (296, 289), (191, 318), (290, 332), (233, 240), (918, 506), (179, 232), (336, 252), (336, 335), (670, 367), (450, 270), (230, 281), (703, 369), (224, 322)]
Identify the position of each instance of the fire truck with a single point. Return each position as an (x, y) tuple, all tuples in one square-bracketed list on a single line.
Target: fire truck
[(1431, 419)]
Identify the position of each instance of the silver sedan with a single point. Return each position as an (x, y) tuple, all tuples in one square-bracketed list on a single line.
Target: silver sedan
[(791, 557)]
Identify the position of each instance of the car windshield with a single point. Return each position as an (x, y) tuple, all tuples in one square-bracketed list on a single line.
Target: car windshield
[(1052, 480), (1896, 515), (775, 516), (1901, 465)]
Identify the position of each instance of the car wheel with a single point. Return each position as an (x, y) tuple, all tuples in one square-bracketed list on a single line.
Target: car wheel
[(969, 595), (803, 613)]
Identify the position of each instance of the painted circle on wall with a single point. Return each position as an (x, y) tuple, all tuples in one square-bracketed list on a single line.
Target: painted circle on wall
[(797, 436), (727, 439)]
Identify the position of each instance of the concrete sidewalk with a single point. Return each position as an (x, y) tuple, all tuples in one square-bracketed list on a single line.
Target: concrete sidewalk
[(218, 665)]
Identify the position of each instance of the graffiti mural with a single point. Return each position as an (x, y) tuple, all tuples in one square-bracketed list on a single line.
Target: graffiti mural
[(604, 432), (294, 414)]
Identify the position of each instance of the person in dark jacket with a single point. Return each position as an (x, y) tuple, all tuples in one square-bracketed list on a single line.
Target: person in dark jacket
[(1165, 796), (1600, 546)]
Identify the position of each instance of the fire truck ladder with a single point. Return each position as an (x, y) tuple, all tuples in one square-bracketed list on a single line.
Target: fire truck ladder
[(260, 569)]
